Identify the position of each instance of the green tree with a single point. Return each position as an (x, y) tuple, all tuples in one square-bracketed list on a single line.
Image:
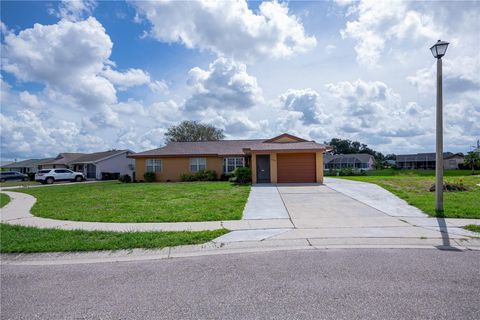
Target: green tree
[(473, 160), (188, 131), (345, 146)]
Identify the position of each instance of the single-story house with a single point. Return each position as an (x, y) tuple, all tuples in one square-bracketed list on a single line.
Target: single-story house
[(113, 161), (361, 161), (281, 159), (428, 160), (25, 166), (62, 160)]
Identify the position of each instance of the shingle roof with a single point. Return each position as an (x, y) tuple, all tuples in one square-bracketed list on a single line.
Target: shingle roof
[(420, 157), (63, 158), (226, 148), (348, 158), (221, 147), (279, 146), (26, 163), (96, 156)]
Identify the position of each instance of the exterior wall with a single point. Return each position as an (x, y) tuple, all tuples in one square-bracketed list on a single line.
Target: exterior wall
[(173, 167), (119, 163), (53, 166), (285, 139), (453, 163), (254, 168), (319, 166), (273, 166), (23, 169)]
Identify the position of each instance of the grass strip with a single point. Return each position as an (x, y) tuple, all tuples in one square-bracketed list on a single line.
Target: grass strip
[(19, 239)]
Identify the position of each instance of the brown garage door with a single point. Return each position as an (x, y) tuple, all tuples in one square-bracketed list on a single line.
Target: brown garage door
[(296, 167)]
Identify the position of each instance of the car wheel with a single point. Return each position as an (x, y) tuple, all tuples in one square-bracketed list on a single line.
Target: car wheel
[(2, 180), (25, 179), (49, 180), (78, 179)]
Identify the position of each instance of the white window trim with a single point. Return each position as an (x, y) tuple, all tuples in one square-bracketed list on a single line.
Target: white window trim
[(197, 162), (155, 164), (235, 166)]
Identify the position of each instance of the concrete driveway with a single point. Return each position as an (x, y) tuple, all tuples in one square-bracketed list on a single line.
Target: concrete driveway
[(343, 209), (318, 206)]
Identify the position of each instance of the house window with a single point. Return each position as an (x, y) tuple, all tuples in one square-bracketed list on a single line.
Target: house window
[(153, 165), (230, 164), (198, 164)]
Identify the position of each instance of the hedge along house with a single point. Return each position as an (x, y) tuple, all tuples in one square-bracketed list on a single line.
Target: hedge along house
[(283, 159)]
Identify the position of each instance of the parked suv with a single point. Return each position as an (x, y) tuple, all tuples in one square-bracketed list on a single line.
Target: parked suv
[(12, 175), (49, 176)]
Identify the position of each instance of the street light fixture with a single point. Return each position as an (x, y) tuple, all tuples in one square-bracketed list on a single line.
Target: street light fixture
[(438, 51)]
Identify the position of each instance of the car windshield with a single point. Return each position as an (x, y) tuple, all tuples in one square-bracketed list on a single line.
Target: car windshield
[(43, 171)]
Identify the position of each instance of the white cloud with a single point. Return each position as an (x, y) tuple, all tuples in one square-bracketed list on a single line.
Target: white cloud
[(305, 101), (228, 28), (30, 100), (76, 9), (158, 86), (26, 134), (66, 57), (460, 75), (225, 85), (131, 77), (379, 22)]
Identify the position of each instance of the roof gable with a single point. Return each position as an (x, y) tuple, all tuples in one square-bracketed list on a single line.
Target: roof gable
[(285, 137)]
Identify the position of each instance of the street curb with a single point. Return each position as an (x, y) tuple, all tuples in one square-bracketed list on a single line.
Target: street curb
[(208, 249)]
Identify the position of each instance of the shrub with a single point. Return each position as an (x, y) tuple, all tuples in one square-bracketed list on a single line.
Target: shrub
[(242, 175), (125, 178), (226, 176), (204, 175), (149, 176), (451, 187), (31, 176)]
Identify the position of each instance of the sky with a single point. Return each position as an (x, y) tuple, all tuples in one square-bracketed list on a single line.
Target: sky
[(86, 76)]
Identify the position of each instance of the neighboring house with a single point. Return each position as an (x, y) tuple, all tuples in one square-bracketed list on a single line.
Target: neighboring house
[(427, 160), (360, 161), (285, 158), (114, 161), (60, 161), (25, 166)]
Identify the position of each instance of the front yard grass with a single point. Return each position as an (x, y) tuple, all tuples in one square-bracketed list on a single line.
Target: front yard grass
[(414, 188), (16, 239), (19, 183), (141, 202), (473, 227), (4, 200)]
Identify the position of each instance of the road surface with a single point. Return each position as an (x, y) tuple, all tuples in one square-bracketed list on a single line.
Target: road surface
[(317, 284)]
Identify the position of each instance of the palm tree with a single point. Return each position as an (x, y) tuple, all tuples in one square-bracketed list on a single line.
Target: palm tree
[(472, 159)]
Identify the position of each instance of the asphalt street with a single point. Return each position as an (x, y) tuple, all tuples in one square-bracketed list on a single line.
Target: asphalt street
[(316, 284)]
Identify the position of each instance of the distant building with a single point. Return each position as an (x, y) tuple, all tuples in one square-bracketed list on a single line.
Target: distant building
[(25, 166), (427, 160), (114, 161), (61, 161), (360, 161)]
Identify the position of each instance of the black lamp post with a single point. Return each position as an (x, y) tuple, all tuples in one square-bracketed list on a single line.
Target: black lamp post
[(438, 51)]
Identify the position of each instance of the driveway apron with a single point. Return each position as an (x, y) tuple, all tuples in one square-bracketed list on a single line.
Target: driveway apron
[(318, 206)]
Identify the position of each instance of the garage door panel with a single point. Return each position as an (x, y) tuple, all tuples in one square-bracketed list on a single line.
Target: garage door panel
[(296, 167)]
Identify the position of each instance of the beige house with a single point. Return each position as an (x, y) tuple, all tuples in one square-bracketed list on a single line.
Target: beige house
[(282, 159)]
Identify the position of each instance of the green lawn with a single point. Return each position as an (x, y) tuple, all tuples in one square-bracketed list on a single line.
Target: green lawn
[(413, 187), (15, 239), (4, 199), (473, 227), (19, 183), (141, 202)]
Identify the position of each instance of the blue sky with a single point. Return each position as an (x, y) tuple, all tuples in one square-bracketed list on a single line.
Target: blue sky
[(93, 75)]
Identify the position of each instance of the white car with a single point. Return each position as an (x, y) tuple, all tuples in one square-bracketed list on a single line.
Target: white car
[(49, 176)]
